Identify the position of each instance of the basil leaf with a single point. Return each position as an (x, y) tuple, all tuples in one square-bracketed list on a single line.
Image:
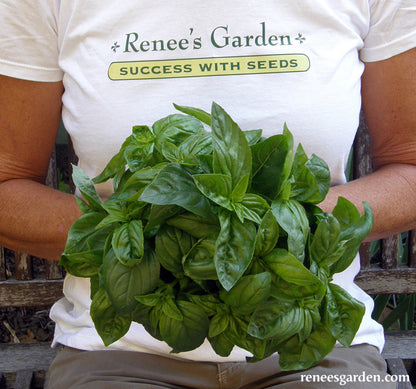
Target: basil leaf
[(248, 292), (354, 228), (291, 216), (188, 333), (123, 283), (272, 163), (195, 225), (171, 244), (109, 325), (81, 230), (267, 235), (175, 186), (84, 264), (295, 280), (198, 113), (326, 246), (175, 129), (221, 344), (296, 355), (234, 248), (115, 165), (342, 314), (231, 154), (277, 320), (86, 187), (216, 187), (198, 263), (128, 243), (310, 178), (218, 324)]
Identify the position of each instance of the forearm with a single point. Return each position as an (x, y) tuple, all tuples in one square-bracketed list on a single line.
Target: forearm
[(391, 193), (35, 219)]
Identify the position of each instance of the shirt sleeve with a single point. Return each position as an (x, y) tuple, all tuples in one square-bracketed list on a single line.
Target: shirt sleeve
[(29, 39), (392, 29)]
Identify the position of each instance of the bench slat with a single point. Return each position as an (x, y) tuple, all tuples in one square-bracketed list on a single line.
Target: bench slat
[(392, 281), (24, 379), (396, 367), (30, 293), (26, 356)]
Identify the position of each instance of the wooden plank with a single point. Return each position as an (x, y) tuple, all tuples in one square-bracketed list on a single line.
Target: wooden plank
[(24, 379), (399, 344), (2, 264), (392, 281), (52, 270), (397, 368), (26, 356), (22, 266), (412, 248), (30, 293), (389, 252), (365, 249)]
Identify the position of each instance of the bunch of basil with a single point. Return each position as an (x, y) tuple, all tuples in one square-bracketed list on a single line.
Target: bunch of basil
[(216, 235)]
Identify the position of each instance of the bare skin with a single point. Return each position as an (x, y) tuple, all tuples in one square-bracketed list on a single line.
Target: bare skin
[(36, 219)]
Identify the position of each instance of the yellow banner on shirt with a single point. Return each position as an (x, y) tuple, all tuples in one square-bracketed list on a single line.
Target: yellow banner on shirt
[(205, 67)]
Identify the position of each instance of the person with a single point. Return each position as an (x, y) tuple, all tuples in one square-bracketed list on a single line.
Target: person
[(104, 67)]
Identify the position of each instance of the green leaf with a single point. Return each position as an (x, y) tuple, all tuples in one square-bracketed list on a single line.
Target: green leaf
[(110, 325), (86, 187), (116, 165), (82, 229), (128, 243), (171, 245), (123, 283), (84, 264), (326, 247), (234, 249), (272, 163), (267, 235), (198, 263), (354, 228), (311, 178), (218, 324), (175, 129), (198, 113), (291, 217), (195, 225), (175, 186), (232, 155), (277, 320), (296, 281), (296, 355), (248, 293), (216, 187), (342, 314), (188, 333)]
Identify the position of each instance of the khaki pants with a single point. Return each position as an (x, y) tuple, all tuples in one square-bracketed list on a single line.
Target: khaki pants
[(346, 368)]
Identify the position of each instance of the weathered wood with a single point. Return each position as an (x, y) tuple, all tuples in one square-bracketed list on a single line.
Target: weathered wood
[(52, 176), (23, 266), (397, 368), (412, 248), (365, 250), (389, 252), (400, 344), (362, 151), (2, 265), (52, 270), (32, 293), (24, 379), (387, 281), (26, 356)]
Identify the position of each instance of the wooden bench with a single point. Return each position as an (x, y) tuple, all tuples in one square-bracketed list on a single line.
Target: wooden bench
[(23, 366)]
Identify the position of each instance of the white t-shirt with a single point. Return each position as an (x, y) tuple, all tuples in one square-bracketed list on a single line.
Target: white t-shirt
[(266, 63)]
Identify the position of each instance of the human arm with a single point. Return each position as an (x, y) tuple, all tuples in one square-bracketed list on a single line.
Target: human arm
[(33, 218), (389, 101)]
